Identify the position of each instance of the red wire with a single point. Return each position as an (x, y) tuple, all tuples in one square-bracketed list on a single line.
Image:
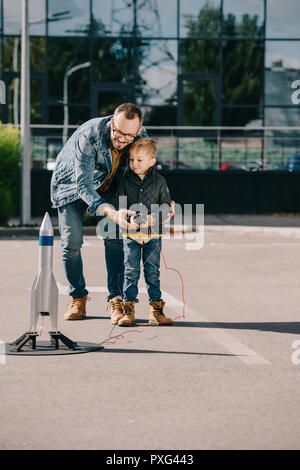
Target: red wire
[(115, 338)]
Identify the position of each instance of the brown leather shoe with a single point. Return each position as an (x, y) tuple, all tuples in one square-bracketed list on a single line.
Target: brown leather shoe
[(128, 314), (76, 308), (157, 316), (116, 310)]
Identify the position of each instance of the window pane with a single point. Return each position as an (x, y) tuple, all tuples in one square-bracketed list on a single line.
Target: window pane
[(56, 116), (199, 18), (113, 60), (112, 18), (78, 114), (64, 54), (243, 72), (282, 68), (157, 19), (12, 54), (243, 18), (282, 116), (37, 17), (13, 13), (36, 97), (160, 115), (74, 21), (199, 103), (157, 72), (198, 56), (242, 116), (13, 100), (282, 19), (12, 16), (37, 53)]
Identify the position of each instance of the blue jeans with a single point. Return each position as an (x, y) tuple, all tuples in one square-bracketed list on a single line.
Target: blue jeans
[(150, 254), (71, 231)]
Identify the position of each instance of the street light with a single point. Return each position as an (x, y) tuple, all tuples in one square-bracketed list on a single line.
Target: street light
[(25, 121), (66, 105)]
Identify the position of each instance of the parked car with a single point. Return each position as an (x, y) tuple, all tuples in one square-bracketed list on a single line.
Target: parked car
[(294, 163)]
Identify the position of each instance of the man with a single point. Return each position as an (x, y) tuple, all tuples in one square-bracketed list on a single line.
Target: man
[(84, 180)]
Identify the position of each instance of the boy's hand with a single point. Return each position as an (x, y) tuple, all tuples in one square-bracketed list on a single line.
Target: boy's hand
[(171, 213)]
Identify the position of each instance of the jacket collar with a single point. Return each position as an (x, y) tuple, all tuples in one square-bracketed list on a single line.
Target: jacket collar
[(132, 174)]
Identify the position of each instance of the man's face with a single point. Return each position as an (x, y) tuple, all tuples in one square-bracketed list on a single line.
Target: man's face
[(123, 130)]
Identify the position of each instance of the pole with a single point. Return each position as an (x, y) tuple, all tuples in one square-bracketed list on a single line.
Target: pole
[(25, 120)]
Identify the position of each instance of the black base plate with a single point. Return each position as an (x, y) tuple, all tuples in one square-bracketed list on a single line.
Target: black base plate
[(44, 348)]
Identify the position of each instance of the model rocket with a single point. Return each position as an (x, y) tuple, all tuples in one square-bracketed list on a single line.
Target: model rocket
[(44, 292)]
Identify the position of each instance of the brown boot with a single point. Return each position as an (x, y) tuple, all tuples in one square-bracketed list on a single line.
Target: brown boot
[(76, 308), (128, 314), (116, 310), (157, 316)]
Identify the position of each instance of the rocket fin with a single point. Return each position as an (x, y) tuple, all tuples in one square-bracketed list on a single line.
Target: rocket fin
[(35, 302)]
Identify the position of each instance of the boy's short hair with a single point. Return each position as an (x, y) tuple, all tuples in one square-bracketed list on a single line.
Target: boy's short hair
[(131, 110), (147, 144)]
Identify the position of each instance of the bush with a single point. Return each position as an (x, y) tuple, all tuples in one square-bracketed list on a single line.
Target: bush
[(10, 156)]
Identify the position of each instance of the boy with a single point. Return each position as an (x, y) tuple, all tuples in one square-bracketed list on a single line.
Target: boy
[(144, 186)]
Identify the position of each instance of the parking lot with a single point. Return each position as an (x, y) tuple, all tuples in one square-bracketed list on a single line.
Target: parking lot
[(224, 376)]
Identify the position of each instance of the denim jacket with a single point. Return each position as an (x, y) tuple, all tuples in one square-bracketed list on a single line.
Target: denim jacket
[(83, 164)]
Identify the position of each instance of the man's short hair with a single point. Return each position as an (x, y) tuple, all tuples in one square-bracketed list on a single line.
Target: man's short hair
[(130, 110), (146, 144)]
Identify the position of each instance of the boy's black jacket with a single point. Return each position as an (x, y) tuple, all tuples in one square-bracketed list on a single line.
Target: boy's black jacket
[(152, 189)]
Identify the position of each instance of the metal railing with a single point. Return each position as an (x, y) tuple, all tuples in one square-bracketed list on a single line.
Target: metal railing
[(196, 147)]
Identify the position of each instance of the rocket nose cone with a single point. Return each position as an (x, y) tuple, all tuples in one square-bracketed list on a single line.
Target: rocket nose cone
[(46, 227)]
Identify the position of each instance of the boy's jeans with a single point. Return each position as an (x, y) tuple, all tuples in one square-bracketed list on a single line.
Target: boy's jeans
[(150, 254), (71, 231)]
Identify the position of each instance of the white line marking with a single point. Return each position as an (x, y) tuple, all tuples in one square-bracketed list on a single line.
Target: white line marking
[(233, 345), (237, 348)]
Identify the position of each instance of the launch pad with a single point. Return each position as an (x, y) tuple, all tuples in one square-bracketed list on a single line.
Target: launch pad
[(27, 345), (44, 302)]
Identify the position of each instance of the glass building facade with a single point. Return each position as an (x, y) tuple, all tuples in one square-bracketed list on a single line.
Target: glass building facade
[(185, 62)]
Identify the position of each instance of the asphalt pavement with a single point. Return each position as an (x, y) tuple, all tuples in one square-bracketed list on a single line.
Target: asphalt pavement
[(224, 376)]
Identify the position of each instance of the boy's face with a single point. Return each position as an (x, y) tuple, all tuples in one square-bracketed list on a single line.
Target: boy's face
[(140, 161)]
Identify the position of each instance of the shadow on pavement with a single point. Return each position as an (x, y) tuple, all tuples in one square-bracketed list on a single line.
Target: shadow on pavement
[(275, 327), (154, 351)]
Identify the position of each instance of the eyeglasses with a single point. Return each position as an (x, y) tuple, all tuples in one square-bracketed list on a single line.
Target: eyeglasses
[(119, 134)]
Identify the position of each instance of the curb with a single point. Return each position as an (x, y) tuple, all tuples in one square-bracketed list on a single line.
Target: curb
[(286, 232), (27, 233)]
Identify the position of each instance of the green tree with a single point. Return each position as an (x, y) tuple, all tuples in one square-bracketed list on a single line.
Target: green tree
[(9, 172)]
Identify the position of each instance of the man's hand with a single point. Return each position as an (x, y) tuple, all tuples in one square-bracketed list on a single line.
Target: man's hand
[(119, 217), (150, 221)]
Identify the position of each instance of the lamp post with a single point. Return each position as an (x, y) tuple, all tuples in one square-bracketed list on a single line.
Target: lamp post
[(25, 211), (66, 105)]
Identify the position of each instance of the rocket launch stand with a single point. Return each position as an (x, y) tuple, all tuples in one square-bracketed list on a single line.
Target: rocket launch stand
[(44, 302), (28, 339)]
